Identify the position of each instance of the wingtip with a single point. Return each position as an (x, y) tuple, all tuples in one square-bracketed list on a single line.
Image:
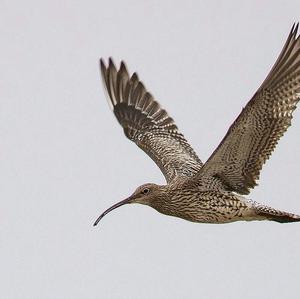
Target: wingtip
[(101, 61), (294, 30), (123, 66), (134, 77), (102, 66), (111, 62)]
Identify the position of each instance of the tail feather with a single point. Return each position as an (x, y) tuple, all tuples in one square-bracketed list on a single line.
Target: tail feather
[(285, 218), (276, 215)]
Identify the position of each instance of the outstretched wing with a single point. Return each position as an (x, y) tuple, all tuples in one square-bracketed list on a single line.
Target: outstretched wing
[(250, 140), (147, 124)]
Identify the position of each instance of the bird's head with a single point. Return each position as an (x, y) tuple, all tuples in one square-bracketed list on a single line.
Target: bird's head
[(146, 194)]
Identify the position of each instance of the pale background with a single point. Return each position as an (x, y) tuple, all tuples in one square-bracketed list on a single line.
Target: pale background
[(64, 159)]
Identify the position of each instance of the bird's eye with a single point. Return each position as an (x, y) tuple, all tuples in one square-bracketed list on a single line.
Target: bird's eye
[(145, 191)]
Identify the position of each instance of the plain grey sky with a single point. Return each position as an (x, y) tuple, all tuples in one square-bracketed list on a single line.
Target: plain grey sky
[(64, 159)]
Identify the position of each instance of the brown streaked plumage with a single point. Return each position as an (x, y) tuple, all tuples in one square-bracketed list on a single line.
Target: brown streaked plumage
[(210, 193)]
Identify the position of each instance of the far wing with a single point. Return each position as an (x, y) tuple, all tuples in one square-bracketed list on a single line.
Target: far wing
[(250, 140), (147, 124)]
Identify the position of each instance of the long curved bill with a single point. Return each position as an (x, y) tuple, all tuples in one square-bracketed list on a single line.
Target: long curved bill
[(121, 203)]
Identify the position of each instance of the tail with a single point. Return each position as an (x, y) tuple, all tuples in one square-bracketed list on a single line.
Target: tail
[(276, 215), (288, 217)]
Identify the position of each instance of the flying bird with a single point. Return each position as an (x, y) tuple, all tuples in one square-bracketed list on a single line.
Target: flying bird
[(212, 192)]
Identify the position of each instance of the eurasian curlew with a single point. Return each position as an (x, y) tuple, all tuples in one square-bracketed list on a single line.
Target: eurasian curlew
[(211, 192)]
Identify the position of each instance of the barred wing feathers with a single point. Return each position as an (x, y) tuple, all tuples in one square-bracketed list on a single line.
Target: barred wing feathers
[(250, 140), (147, 124)]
